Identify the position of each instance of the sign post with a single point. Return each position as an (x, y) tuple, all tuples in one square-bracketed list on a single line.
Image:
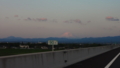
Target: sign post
[(52, 42), (52, 47)]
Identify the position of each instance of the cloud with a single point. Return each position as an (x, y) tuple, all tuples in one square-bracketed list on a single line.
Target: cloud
[(109, 18), (66, 21), (77, 21), (116, 20), (15, 15), (38, 19), (42, 19), (67, 34), (73, 21), (29, 18)]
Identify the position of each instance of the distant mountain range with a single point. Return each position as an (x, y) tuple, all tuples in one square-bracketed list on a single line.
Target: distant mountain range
[(115, 39)]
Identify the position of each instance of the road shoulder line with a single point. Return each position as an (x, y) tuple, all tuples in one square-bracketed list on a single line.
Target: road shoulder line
[(110, 63)]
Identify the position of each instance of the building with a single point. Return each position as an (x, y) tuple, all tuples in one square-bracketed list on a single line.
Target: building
[(24, 46)]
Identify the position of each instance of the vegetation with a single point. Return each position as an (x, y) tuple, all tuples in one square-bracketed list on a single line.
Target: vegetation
[(5, 52), (14, 48)]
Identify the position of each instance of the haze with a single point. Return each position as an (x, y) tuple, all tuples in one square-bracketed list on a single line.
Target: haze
[(59, 18)]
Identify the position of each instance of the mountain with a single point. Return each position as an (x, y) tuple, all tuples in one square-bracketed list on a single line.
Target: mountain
[(115, 39)]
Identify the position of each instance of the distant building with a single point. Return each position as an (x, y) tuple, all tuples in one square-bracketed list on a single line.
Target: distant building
[(39, 42), (24, 46), (44, 47), (14, 47), (3, 47)]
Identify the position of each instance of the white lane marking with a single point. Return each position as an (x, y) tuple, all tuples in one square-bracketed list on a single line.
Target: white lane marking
[(110, 63)]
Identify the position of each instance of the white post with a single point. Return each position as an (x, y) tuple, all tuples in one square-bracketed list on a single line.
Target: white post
[(52, 47)]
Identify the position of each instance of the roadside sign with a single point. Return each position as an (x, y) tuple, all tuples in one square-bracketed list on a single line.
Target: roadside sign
[(52, 42)]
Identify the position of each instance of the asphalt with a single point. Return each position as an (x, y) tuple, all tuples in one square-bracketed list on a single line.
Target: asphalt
[(116, 63), (99, 61)]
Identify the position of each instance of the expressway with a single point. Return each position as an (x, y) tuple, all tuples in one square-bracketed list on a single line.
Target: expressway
[(110, 59)]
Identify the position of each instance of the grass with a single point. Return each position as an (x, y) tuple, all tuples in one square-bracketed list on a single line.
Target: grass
[(6, 52)]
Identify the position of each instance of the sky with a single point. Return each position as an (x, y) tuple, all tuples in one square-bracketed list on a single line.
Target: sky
[(59, 18)]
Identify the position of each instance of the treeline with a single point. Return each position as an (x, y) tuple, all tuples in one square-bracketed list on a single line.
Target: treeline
[(44, 44)]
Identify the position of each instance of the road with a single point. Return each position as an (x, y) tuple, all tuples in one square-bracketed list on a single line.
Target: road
[(116, 62), (110, 59)]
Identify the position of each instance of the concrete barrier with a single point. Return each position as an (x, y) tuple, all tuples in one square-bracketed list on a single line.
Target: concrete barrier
[(57, 59)]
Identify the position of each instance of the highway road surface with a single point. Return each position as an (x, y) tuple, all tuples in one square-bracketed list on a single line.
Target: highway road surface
[(109, 59), (115, 63)]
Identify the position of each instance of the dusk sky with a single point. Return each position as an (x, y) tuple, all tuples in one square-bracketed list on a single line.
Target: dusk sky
[(59, 18)]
